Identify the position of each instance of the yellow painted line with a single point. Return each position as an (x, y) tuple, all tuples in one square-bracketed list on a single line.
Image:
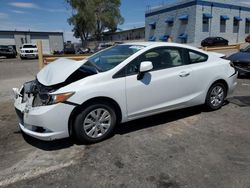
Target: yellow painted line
[(49, 59)]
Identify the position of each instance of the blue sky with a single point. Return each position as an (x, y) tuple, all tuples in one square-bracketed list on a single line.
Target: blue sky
[(51, 15)]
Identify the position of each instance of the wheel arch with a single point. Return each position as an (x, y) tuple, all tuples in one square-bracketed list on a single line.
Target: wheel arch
[(222, 81), (79, 108)]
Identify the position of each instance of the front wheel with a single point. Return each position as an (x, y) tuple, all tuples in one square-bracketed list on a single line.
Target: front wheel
[(95, 123), (216, 96)]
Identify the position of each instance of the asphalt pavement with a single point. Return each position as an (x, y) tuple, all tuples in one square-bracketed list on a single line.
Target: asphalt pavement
[(184, 148)]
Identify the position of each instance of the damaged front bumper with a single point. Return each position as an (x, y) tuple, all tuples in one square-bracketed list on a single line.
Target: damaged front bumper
[(43, 122)]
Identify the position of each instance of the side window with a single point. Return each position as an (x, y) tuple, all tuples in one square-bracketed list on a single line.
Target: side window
[(161, 58), (172, 57), (197, 57)]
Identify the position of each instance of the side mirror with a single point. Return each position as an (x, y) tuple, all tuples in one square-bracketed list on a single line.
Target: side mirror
[(145, 66)]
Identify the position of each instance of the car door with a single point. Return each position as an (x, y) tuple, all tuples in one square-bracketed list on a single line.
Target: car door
[(202, 73), (167, 86)]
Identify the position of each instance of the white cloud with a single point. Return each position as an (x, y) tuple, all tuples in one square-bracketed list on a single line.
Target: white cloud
[(3, 15), (23, 5), (18, 11), (34, 6)]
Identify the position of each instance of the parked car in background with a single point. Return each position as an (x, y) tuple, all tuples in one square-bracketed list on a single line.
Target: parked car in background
[(241, 60), (69, 48), (7, 51), (28, 51), (214, 41), (247, 39), (83, 51), (88, 98), (57, 52)]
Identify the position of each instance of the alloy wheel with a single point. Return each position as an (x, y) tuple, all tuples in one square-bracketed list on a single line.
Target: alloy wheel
[(217, 96), (97, 122)]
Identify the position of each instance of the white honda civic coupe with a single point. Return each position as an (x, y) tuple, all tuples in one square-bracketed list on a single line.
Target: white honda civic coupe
[(88, 98)]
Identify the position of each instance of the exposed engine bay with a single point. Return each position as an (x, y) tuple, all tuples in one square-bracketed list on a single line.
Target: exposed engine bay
[(41, 93), (37, 91)]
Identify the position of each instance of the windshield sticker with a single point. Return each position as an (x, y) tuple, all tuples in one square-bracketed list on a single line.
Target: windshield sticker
[(137, 47)]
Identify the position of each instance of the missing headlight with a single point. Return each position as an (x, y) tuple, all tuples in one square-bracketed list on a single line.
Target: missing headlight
[(41, 100)]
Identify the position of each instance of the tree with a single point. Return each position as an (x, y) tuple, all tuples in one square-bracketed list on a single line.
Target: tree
[(107, 16), (82, 19), (93, 17)]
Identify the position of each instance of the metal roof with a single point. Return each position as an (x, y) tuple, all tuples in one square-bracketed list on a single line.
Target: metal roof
[(29, 32)]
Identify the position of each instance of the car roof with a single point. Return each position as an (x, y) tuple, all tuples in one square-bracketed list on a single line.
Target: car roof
[(155, 44), (213, 37)]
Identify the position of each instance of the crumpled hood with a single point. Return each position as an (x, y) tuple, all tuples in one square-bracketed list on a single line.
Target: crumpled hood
[(240, 57), (58, 71)]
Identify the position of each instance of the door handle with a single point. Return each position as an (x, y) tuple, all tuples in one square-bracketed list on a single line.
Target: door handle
[(184, 74)]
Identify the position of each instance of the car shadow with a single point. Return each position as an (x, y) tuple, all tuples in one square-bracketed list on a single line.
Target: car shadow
[(241, 101), (155, 120), (125, 128), (49, 145), (244, 76)]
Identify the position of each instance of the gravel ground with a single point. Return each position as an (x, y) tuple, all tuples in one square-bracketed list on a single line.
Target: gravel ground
[(184, 148)]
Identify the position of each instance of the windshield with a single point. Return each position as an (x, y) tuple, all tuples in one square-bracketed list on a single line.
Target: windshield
[(29, 46), (111, 57)]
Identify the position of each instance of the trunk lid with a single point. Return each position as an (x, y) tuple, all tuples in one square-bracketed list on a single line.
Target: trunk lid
[(216, 54)]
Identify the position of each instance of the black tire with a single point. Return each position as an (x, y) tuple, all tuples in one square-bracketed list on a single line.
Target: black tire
[(22, 58), (209, 102), (78, 125)]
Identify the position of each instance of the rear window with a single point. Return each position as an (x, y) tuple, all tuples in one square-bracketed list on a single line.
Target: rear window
[(197, 57), (29, 46)]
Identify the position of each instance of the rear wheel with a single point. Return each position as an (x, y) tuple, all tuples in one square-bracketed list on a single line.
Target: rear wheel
[(95, 123), (216, 96)]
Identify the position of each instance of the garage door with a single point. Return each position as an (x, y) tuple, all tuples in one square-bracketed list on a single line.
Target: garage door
[(45, 42), (6, 39)]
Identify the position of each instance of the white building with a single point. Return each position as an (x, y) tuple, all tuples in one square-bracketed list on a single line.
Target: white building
[(191, 21), (50, 40)]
